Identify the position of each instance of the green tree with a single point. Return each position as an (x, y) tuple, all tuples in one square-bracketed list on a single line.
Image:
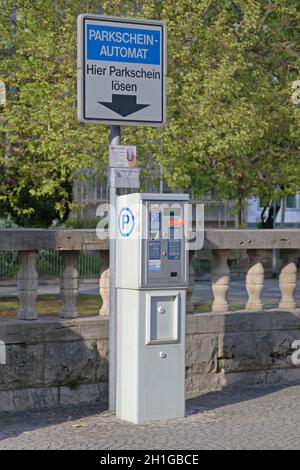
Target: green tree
[(232, 129), (42, 143)]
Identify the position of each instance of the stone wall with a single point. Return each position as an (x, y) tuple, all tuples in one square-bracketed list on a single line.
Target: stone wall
[(53, 362), (244, 348)]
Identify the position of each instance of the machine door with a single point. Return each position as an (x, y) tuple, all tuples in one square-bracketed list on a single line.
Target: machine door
[(163, 319), (164, 361)]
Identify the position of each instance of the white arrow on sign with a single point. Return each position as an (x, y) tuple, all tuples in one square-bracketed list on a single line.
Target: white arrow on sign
[(121, 71)]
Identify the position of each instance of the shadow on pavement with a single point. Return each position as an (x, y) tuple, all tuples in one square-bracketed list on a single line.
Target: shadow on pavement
[(229, 396), (17, 423)]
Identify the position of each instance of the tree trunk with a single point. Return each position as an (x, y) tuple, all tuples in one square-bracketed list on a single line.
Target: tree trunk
[(282, 221), (240, 212)]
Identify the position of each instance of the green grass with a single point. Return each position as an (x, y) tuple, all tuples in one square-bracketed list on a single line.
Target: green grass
[(88, 304), (206, 307), (50, 304)]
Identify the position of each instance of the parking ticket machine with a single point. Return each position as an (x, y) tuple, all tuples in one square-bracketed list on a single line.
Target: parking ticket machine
[(151, 281)]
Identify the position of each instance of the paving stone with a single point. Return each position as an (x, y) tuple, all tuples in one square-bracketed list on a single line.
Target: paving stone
[(265, 417)]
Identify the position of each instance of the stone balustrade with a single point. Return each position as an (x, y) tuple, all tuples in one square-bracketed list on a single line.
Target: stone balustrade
[(254, 242), (64, 360), (28, 242)]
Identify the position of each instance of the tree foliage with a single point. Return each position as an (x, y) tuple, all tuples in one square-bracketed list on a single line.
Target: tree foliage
[(42, 143), (232, 128), (230, 94)]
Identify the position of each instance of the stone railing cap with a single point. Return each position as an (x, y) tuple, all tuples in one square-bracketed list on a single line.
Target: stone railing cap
[(252, 239), (86, 239), (55, 239)]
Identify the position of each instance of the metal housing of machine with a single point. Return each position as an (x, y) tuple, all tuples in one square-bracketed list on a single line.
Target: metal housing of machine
[(151, 279)]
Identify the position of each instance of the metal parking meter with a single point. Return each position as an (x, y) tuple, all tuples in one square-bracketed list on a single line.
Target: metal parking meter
[(151, 281)]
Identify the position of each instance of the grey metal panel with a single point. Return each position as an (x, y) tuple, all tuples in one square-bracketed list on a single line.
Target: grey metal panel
[(163, 366), (128, 355), (150, 385)]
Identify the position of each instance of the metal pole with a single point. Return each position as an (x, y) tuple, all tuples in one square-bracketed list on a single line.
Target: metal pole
[(274, 253), (115, 138)]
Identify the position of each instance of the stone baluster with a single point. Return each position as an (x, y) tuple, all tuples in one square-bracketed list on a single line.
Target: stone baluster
[(254, 280), (104, 284), (27, 285), (288, 279), (190, 289), (69, 284), (220, 280)]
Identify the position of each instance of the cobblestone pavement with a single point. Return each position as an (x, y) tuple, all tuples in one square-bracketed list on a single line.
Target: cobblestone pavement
[(248, 418)]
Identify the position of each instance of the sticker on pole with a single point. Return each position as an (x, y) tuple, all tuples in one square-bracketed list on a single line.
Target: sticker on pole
[(122, 156), (121, 71), (125, 178)]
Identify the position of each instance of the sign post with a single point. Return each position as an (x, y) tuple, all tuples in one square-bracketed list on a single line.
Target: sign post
[(121, 64), (115, 137)]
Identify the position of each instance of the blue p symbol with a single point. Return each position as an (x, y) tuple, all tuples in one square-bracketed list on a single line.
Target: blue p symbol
[(126, 222)]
